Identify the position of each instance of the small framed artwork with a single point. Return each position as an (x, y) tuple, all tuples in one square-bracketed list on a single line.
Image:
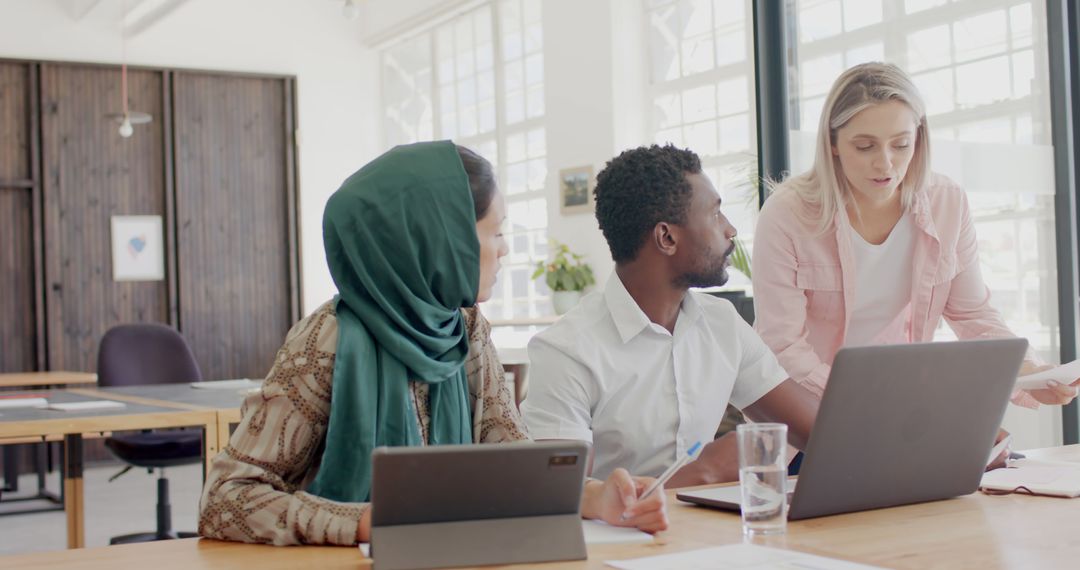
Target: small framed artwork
[(138, 248), (575, 190)]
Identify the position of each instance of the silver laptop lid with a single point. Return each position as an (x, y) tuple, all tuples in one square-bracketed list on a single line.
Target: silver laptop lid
[(903, 424)]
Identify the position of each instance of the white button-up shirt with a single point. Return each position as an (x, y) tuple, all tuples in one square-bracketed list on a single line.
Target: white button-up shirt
[(604, 373)]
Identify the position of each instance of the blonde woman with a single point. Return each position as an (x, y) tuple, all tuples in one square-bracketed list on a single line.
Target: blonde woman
[(870, 246)]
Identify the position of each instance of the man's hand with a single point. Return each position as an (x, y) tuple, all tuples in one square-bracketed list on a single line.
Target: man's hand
[(617, 502), (718, 462)]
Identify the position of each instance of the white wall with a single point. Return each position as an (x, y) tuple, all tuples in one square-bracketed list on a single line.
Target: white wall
[(580, 119), (336, 77), (595, 88), (595, 99)]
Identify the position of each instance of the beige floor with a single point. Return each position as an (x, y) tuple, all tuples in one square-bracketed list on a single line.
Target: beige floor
[(122, 507)]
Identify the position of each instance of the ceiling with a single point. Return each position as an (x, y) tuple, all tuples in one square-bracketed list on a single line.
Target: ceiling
[(134, 16)]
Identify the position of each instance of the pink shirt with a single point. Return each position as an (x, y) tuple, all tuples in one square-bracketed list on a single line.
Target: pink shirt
[(804, 284)]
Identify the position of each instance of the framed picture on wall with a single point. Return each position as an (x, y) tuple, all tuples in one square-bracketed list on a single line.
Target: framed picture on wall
[(575, 190), (138, 248)]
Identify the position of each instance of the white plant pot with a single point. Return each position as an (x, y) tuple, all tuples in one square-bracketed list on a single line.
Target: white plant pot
[(564, 300)]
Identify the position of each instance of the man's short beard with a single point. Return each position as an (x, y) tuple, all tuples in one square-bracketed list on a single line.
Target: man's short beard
[(712, 278), (712, 275)]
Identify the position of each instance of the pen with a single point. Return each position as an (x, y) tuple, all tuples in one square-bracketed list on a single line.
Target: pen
[(690, 453), (998, 449)]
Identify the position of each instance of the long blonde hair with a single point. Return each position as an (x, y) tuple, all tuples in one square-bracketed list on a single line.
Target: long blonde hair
[(824, 189)]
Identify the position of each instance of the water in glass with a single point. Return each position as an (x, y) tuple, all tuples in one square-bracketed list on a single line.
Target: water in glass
[(764, 499)]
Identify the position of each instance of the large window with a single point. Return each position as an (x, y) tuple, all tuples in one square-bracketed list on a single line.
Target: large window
[(478, 79), (702, 96), (981, 67)]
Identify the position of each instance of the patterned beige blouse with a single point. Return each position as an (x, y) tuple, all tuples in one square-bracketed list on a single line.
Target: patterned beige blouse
[(255, 490)]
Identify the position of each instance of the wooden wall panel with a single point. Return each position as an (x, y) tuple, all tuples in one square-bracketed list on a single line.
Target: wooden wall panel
[(17, 319), (232, 208), (91, 174), (14, 126), (16, 281)]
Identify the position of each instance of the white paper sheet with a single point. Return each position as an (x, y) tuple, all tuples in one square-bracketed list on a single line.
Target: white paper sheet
[(13, 403), (736, 557), (1066, 374), (85, 406), (238, 384), (599, 532)]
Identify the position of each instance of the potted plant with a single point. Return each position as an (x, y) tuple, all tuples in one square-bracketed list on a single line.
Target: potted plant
[(567, 275), (746, 186), (739, 258)]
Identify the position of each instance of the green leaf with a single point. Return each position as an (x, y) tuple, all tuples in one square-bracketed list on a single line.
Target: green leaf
[(567, 271)]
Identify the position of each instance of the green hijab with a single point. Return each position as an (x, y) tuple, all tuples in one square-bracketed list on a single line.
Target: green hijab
[(400, 237)]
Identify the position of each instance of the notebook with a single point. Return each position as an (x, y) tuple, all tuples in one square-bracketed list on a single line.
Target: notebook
[(1056, 479)]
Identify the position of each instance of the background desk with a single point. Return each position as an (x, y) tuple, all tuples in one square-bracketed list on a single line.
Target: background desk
[(17, 380), (41, 424), (975, 531), (225, 403)]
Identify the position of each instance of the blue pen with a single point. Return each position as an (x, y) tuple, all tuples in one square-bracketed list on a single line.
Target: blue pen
[(663, 478)]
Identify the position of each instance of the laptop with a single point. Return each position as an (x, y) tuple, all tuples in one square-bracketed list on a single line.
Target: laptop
[(469, 505), (898, 424)]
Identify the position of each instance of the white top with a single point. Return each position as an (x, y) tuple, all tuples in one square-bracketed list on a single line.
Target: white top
[(882, 287), (607, 375)]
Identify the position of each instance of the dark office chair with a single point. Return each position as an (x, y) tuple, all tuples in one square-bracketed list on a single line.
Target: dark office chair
[(141, 354)]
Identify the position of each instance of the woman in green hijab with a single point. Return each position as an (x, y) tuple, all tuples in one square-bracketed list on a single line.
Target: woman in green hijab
[(402, 356)]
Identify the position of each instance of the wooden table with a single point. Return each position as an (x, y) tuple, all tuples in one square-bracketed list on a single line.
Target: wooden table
[(53, 378), (19, 425), (223, 402), (976, 531), (15, 380)]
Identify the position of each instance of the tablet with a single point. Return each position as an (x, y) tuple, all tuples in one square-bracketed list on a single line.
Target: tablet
[(477, 504)]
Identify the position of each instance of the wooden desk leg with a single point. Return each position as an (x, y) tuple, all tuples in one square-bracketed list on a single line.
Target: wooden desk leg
[(210, 445), (521, 381), (224, 431), (73, 490)]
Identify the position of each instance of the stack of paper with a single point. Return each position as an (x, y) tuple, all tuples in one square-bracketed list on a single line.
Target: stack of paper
[(1064, 374)]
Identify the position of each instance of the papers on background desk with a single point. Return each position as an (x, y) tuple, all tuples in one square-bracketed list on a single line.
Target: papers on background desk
[(736, 557), (86, 406), (599, 532), (238, 384), (1055, 478), (1066, 374), (22, 402)]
